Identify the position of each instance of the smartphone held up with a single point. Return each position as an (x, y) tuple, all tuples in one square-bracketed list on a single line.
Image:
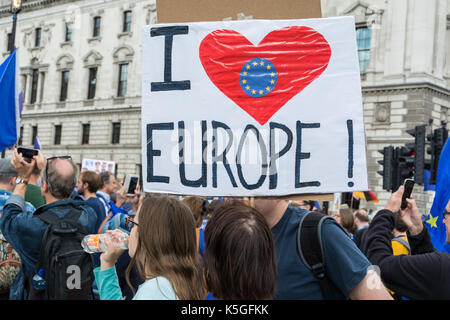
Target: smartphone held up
[(408, 188), (130, 184), (27, 153)]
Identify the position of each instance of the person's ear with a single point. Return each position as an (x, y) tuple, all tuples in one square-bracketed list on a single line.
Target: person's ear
[(12, 181), (44, 187)]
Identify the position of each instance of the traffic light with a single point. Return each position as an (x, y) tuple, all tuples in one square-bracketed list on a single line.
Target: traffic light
[(387, 163), (403, 166), (437, 141), (418, 149)]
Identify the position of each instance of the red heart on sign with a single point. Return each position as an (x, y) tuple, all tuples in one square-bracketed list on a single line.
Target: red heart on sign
[(261, 79)]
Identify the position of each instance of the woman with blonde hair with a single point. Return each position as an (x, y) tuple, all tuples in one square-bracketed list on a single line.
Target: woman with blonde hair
[(162, 244)]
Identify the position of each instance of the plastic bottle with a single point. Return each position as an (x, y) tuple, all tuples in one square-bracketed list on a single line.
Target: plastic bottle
[(38, 281), (94, 243)]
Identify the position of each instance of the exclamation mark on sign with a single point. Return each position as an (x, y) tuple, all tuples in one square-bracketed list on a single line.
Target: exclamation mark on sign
[(350, 152)]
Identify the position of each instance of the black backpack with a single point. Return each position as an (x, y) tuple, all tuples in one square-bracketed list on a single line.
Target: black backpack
[(309, 245), (68, 268)]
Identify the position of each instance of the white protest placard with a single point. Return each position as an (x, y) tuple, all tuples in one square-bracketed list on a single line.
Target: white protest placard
[(252, 108), (98, 166)]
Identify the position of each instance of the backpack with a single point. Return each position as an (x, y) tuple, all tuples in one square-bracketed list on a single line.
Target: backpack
[(309, 245), (9, 265), (68, 268)]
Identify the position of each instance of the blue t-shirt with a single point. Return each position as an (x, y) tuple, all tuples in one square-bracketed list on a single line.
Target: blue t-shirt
[(345, 265), (99, 209)]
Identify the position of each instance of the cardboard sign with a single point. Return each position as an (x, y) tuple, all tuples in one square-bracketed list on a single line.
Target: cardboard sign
[(217, 10), (98, 166), (252, 108)]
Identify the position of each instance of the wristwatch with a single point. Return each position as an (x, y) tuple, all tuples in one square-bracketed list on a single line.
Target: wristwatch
[(19, 180)]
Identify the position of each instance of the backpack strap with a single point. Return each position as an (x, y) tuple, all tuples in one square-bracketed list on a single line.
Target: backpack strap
[(309, 246), (403, 242)]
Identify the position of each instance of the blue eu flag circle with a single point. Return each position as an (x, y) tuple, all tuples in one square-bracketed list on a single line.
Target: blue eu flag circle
[(258, 77)]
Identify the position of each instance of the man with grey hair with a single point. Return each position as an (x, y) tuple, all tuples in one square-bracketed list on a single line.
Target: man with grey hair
[(24, 230)]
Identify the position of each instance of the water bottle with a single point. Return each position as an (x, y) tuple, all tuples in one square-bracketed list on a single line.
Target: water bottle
[(38, 281), (94, 243)]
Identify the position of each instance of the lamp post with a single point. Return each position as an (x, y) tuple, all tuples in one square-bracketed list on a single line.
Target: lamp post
[(16, 7)]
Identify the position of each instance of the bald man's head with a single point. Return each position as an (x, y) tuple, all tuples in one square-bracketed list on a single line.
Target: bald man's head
[(61, 177)]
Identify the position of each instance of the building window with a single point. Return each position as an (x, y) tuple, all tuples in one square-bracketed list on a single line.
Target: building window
[(20, 136), (64, 85), (97, 22), (123, 79), (116, 133), (85, 136), (363, 36), (68, 32), (92, 82), (34, 86), (37, 37), (58, 131), (127, 21), (34, 132)]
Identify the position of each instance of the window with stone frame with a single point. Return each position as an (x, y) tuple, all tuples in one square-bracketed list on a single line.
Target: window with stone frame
[(68, 33), (58, 133), (85, 133), (126, 21), (97, 25), (92, 85), (64, 85), (37, 37), (363, 37), (34, 85), (123, 80), (115, 133)]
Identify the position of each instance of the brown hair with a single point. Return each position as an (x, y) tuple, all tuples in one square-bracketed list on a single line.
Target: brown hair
[(197, 206), (347, 220), (92, 179), (239, 260), (213, 205), (167, 246), (398, 222)]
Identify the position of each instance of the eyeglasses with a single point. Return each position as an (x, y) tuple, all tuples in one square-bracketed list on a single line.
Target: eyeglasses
[(53, 158), (129, 223), (445, 214)]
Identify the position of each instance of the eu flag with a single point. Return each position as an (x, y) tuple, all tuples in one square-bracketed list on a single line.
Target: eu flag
[(9, 102), (434, 222)]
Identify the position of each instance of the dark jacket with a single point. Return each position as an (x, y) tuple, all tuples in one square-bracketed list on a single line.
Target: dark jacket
[(422, 275), (24, 230)]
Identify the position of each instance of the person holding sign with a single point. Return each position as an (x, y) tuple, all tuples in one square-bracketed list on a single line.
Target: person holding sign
[(345, 265)]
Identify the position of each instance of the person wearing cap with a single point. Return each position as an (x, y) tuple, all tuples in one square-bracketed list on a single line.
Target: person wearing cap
[(8, 176)]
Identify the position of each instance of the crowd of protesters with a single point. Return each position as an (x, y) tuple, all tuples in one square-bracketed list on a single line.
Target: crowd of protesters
[(195, 248)]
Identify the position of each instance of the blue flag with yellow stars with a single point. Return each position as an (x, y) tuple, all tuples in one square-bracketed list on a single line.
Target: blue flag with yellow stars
[(434, 222)]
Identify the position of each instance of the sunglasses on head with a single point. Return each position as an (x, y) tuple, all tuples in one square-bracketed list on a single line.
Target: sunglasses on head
[(53, 158)]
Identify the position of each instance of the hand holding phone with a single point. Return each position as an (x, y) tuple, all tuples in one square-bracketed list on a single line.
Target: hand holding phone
[(27, 154), (408, 188), (130, 184)]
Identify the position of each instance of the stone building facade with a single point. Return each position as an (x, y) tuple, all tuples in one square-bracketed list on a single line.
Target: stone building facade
[(405, 74), (80, 72), (80, 65)]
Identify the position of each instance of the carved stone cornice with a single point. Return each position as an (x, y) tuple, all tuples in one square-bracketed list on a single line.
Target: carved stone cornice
[(406, 88), (31, 5)]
